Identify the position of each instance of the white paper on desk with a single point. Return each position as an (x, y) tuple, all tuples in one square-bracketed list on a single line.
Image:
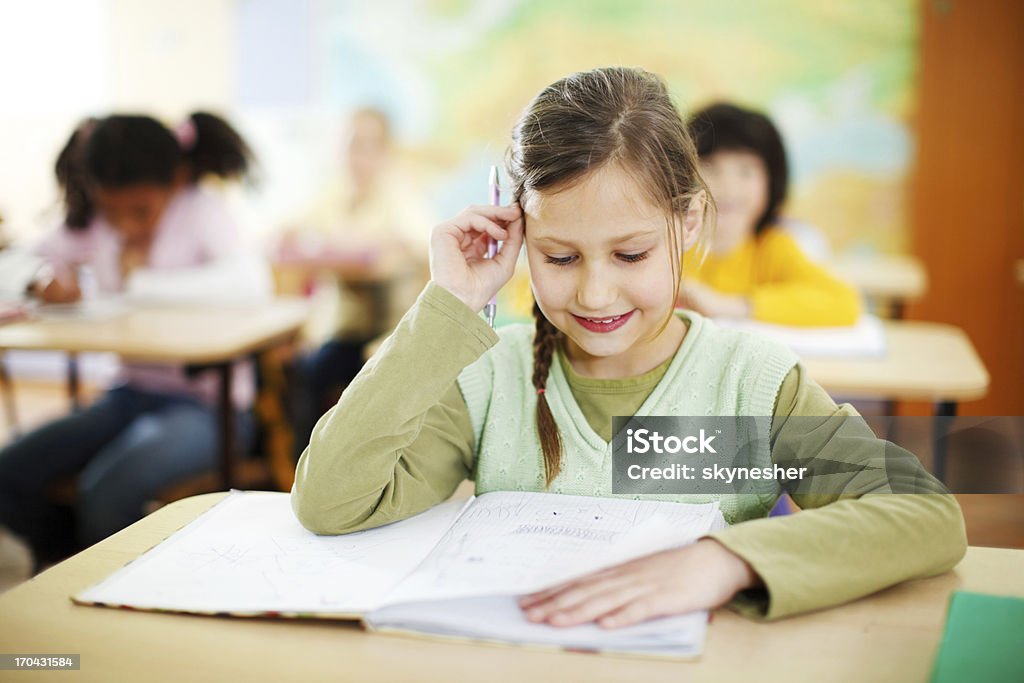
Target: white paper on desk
[(865, 339), (506, 544), (499, 619), (509, 543), (249, 555), (98, 308)]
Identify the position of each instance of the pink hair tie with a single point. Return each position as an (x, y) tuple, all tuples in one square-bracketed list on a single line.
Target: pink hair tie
[(185, 132), (540, 391)]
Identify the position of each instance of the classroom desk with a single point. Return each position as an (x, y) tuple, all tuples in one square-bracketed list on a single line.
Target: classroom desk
[(887, 278), (362, 271), (214, 336), (930, 362), (351, 267), (891, 636)]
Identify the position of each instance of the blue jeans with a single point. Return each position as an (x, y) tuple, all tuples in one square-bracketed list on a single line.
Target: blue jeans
[(125, 448)]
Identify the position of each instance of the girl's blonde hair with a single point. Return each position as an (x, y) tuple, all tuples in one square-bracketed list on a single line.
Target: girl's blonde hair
[(577, 125)]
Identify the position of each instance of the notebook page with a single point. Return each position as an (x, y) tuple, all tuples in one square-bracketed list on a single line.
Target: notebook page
[(510, 543), (678, 636), (249, 555)]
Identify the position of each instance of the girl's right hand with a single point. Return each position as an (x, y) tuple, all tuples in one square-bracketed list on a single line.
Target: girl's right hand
[(458, 250)]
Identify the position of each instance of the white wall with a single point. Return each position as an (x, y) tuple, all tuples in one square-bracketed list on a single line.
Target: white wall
[(63, 60)]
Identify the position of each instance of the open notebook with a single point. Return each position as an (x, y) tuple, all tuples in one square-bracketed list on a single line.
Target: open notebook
[(453, 571)]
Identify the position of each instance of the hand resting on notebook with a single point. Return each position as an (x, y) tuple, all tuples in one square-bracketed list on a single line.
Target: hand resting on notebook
[(703, 575)]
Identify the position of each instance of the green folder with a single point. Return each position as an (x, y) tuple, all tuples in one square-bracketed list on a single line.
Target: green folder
[(983, 640)]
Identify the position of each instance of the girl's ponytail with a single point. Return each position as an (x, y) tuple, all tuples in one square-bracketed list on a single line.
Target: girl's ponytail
[(544, 340), (211, 146), (123, 150), (73, 179)]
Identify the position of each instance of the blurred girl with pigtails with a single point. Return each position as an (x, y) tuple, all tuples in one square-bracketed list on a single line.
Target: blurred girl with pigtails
[(139, 221)]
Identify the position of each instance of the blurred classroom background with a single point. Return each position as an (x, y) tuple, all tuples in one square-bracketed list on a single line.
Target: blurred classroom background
[(901, 119)]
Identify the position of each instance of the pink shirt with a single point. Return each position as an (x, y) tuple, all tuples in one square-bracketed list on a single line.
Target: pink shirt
[(197, 256)]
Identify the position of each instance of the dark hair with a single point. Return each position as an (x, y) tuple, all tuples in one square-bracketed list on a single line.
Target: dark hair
[(122, 150), (577, 125), (72, 179), (728, 127)]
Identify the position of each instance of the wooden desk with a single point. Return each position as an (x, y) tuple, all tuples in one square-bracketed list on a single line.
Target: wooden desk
[(350, 267), (889, 279), (891, 636), (930, 362), (375, 275), (214, 336)]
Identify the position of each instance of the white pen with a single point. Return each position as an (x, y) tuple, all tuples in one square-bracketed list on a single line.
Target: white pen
[(492, 249)]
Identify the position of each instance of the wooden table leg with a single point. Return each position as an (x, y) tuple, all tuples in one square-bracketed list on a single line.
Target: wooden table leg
[(945, 412), (10, 409), (73, 384), (897, 309), (227, 427)]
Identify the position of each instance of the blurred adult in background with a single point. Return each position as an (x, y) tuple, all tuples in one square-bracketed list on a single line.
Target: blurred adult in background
[(365, 240), (753, 268), (138, 221)]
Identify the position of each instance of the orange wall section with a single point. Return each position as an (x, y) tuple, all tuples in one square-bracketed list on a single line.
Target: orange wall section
[(967, 201)]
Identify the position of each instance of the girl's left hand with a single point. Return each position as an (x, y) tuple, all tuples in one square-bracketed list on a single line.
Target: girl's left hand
[(703, 575)]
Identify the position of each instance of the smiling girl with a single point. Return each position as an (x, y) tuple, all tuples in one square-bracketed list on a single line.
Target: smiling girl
[(610, 194), (753, 267)]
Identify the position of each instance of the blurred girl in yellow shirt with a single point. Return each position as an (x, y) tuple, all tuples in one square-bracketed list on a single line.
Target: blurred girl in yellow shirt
[(752, 268)]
